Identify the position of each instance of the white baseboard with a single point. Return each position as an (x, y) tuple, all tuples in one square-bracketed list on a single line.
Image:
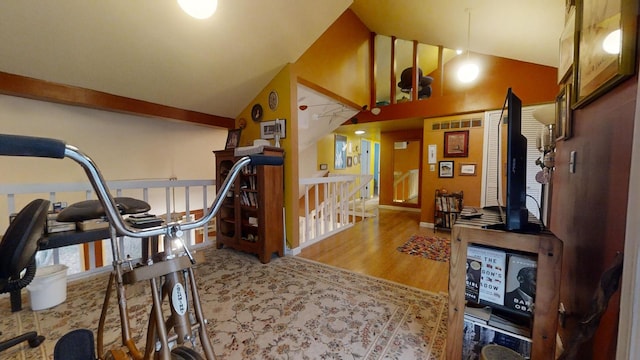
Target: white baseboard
[(426, 224)]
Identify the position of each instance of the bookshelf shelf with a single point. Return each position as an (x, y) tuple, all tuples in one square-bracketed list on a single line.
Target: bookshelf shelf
[(544, 320)]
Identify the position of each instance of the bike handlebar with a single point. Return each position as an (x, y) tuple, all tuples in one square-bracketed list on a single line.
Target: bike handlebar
[(17, 145)]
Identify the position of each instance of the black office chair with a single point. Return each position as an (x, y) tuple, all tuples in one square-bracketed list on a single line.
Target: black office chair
[(424, 83), (18, 249)]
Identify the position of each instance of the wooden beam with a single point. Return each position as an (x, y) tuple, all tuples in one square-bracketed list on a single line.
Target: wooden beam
[(22, 86)]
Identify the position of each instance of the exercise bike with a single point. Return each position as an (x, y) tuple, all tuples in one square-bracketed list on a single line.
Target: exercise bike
[(170, 272)]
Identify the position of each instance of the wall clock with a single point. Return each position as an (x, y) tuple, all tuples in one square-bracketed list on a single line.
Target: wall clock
[(273, 100), (256, 112)]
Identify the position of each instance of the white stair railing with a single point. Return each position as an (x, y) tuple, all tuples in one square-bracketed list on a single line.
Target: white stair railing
[(329, 205), (166, 198)]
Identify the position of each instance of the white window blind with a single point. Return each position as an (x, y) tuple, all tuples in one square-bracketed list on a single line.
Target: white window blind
[(492, 179)]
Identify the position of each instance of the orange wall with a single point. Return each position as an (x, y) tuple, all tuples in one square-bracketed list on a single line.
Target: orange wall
[(470, 185), (339, 60), (534, 84)]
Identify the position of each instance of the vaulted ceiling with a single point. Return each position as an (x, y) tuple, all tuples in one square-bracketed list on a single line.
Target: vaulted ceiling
[(150, 50)]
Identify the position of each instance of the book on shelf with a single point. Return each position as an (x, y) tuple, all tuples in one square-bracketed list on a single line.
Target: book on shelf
[(472, 283), (477, 314), (510, 323), (492, 273), (521, 283), (476, 336)]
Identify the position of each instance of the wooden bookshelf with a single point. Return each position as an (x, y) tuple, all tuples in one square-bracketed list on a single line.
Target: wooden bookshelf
[(548, 250), (447, 209), (251, 217)]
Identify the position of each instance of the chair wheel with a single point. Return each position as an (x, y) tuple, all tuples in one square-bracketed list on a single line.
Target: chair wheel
[(185, 353), (35, 342)]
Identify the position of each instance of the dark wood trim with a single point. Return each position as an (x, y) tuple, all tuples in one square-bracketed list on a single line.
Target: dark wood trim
[(328, 93), (414, 72), (17, 85), (393, 71), (372, 70)]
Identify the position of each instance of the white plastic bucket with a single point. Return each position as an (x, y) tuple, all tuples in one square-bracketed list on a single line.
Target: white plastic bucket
[(49, 287)]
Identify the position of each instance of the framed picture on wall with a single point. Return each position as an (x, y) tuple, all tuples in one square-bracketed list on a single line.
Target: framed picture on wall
[(468, 169), (445, 169), (607, 47), (456, 143), (233, 139), (340, 152)]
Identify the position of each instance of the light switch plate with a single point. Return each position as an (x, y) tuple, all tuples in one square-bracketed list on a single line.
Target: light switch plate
[(572, 162)]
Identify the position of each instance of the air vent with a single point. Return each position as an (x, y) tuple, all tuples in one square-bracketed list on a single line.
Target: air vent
[(456, 124)]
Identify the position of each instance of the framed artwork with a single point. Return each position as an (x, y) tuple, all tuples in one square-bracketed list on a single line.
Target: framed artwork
[(567, 46), (431, 157), (456, 143), (607, 47), (233, 139), (324, 166), (468, 169), (268, 129), (563, 113), (445, 169), (340, 152), (349, 161)]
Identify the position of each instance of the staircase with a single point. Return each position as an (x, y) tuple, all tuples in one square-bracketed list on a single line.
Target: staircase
[(332, 204)]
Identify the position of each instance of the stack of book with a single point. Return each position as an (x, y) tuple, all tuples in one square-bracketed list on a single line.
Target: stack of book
[(143, 221)]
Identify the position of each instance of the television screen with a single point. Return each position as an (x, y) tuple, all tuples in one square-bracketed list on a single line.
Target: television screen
[(516, 215)]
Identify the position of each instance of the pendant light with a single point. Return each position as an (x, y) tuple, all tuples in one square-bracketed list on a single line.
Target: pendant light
[(468, 71), (199, 9)]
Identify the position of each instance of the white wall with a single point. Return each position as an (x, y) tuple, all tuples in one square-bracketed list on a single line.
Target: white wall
[(123, 146)]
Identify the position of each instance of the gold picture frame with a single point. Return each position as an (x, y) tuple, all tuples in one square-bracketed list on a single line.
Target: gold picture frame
[(603, 61), (467, 169), (563, 113), (567, 46)]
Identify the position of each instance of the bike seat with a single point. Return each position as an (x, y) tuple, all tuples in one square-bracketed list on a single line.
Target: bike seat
[(93, 209)]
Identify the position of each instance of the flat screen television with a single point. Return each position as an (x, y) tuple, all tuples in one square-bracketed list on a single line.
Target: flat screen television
[(514, 215)]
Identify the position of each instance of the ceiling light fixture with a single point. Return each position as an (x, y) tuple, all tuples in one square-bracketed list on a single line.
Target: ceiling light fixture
[(199, 9), (359, 132), (469, 70)]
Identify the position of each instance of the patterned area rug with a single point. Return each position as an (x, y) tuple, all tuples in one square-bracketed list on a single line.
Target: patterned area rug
[(289, 309), (430, 247)]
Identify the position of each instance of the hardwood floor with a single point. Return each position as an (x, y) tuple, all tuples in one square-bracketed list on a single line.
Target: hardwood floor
[(370, 247)]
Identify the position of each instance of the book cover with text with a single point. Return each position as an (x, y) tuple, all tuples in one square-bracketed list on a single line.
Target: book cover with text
[(492, 273)]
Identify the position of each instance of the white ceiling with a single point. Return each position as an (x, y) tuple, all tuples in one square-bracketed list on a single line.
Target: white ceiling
[(150, 50)]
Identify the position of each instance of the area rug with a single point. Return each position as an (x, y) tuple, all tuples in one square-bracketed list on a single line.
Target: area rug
[(429, 247), (291, 308)]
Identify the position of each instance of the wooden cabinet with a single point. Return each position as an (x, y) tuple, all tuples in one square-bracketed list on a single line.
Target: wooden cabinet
[(545, 247), (251, 217), (447, 209)]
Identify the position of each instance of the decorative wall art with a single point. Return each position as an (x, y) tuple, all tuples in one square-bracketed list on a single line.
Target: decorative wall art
[(233, 139), (268, 129), (468, 169), (445, 169), (563, 113), (567, 46), (606, 48), (456, 143), (340, 152)]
